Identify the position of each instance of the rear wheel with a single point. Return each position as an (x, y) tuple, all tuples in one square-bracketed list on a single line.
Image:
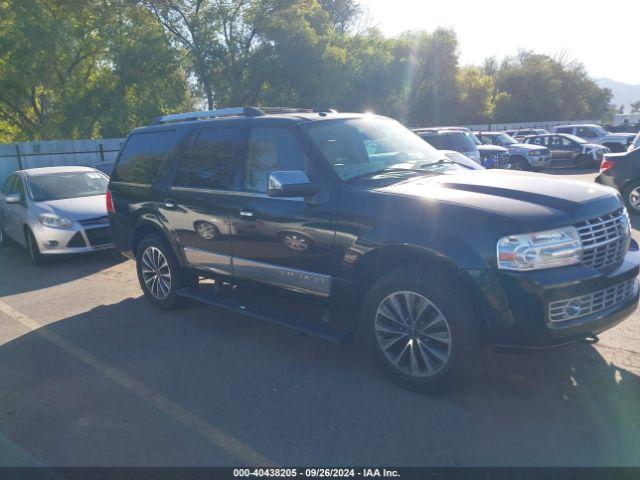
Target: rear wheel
[(631, 196), (159, 273), (32, 248), (421, 329), (585, 161)]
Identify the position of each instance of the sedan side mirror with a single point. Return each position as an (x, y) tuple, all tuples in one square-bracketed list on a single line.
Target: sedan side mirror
[(13, 198), (292, 183)]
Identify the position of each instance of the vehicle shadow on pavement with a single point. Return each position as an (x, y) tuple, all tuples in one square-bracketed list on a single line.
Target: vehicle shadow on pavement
[(53, 271), (116, 389)]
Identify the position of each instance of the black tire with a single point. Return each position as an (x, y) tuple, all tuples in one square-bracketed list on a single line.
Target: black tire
[(32, 248), (630, 191), (519, 163), (4, 240), (178, 277), (586, 161), (467, 347)]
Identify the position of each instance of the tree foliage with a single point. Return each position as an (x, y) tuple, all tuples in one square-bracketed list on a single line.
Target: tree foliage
[(86, 68)]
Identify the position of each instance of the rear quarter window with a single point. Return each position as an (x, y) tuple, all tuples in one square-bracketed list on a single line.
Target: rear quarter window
[(142, 157)]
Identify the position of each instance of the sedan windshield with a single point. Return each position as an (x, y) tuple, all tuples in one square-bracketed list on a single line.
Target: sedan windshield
[(370, 146), (504, 139), (57, 186)]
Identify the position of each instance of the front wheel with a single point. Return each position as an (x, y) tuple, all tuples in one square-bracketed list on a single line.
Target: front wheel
[(632, 197), (159, 273), (4, 240), (421, 329), (32, 248), (520, 163)]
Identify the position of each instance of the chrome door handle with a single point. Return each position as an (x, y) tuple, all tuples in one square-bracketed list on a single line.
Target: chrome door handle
[(247, 214), (169, 204)]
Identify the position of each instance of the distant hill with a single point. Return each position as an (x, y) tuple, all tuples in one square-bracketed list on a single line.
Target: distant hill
[(623, 93)]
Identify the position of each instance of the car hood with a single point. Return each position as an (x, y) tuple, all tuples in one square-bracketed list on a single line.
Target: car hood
[(526, 146), (530, 199), (75, 209), (492, 149)]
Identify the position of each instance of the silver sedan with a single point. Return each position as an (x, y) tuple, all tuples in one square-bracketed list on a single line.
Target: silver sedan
[(55, 210)]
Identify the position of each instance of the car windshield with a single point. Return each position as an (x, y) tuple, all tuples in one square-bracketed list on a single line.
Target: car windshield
[(505, 139), (358, 147), (458, 141), (57, 186)]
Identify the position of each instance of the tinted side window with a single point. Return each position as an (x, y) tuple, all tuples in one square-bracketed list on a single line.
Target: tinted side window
[(209, 164), (564, 130), (585, 132), (271, 150), (142, 156)]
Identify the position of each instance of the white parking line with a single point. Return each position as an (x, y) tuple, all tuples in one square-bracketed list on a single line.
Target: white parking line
[(224, 441)]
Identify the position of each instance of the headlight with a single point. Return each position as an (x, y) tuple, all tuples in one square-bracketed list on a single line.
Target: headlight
[(535, 251), (54, 221)]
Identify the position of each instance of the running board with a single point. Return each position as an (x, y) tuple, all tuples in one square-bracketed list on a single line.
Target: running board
[(299, 316)]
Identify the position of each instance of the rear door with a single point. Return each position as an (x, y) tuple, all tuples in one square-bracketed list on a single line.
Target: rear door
[(196, 206)]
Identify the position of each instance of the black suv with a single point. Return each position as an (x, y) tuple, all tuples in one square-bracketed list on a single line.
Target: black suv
[(338, 223)]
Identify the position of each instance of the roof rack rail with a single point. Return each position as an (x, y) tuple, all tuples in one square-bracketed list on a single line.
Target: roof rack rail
[(233, 112), (217, 113)]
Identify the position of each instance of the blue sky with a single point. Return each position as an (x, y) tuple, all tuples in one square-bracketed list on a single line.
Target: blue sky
[(604, 35)]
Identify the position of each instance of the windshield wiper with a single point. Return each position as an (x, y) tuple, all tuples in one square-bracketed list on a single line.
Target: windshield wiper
[(439, 162), (381, 171)]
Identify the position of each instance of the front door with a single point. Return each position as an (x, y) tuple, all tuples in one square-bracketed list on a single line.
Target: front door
[(13, 213), (196, 206), (283, 242)]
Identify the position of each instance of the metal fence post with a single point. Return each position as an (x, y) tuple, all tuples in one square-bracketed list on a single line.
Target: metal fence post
[(101, 153), (19, 157)]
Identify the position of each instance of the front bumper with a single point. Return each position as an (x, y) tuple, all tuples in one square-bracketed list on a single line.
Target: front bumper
[(517, 310), (77, 239)]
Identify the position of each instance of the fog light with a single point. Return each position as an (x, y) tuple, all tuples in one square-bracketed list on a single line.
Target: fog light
[(51, 244)]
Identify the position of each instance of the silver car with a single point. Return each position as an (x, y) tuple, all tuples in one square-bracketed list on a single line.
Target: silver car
[(55, 210)]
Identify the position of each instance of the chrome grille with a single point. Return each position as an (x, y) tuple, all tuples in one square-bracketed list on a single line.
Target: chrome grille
[(591, 303), (605, 240), (502, 160)]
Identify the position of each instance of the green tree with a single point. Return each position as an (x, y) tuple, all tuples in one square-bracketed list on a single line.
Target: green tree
[(80, 68), (476, 102), (635, 107)]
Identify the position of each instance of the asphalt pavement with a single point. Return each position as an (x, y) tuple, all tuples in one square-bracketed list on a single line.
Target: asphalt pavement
[(92, 375)]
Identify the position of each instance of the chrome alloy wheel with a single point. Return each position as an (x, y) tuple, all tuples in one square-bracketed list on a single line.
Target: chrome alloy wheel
[(296, 242), (413, 334), (156, 273), (634, 198)]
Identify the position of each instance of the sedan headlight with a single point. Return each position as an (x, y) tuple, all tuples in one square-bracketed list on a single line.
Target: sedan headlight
[(535, 251), (54, 221)]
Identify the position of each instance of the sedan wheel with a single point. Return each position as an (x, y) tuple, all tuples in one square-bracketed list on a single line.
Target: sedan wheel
[(156, 273), (413, 334)]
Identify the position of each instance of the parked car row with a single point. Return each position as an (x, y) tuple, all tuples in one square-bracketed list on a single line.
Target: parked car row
[(341, 224), (426, 260)]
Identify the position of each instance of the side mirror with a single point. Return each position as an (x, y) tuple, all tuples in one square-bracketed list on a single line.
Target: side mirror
[(290, 184), (13, 198)]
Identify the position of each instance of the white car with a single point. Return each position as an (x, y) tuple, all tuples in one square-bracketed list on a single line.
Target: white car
[(55, 210), (616, 142)]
